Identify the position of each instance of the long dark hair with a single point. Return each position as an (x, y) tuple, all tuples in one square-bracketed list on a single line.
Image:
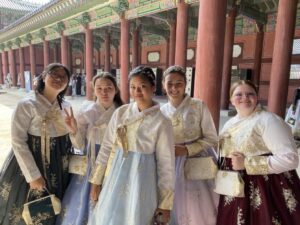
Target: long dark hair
[(41, 84), (106, 75)]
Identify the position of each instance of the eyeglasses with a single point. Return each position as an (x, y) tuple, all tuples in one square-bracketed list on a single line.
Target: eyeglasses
[(56, 75), (247, 95)]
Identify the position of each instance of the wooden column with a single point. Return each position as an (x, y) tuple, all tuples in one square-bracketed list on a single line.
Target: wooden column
[(258, 54), (107, 52), (210, 49), (181, 34), (12, 67), (89, 62), (280, 72), (22, 66), (227, 60), (172, 44), (124, 59), (46, 53)]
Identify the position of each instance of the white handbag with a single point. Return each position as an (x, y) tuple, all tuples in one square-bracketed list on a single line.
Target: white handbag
[(229, 183), (78, 164)]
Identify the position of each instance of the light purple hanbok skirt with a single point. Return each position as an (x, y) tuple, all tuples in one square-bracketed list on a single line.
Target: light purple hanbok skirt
[(195, 202)]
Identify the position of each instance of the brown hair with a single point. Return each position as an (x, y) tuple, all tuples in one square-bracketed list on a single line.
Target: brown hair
[(175, 69), (241, 82), (106, 75)]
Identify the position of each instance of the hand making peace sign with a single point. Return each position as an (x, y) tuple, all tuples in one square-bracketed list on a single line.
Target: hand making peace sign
[(71, 121)]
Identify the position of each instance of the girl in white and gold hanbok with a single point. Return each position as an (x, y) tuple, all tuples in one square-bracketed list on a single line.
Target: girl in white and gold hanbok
[(195, 135), (86, 134), (260, 147), (41, 147), (140, 176)]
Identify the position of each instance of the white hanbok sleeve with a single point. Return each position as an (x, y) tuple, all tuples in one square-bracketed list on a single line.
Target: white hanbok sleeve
[(98, 171), (209, 136), (21, 120), (278, 138), (78, 139), (165, 157)]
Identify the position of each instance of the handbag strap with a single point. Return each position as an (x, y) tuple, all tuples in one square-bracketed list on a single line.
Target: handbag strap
[(30, 190)]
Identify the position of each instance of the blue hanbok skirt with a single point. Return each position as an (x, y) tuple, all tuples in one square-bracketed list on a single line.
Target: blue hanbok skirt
[(129, 194), (76, 204)]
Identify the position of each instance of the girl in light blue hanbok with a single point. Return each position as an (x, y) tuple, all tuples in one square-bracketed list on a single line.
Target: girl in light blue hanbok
[(86, 133), (137, 156)]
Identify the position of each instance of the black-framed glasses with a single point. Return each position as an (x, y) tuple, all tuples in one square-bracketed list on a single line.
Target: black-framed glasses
[(57, 75)]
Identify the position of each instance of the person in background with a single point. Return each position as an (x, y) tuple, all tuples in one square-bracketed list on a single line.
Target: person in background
[(293, 117), (41, 146), (259, 146), (195, 134), (86, 133), (140, 178)]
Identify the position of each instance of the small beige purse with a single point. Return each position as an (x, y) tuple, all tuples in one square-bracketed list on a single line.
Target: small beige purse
[(200, 168), (229, 183), (78, 164)]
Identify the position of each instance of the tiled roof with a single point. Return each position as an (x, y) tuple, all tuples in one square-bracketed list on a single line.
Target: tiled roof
[(18, 5)]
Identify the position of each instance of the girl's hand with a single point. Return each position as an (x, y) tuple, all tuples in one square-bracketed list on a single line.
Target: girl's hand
[(237, 160), (95, 192), (38, 184), (180, 150), (71, 121), (162, 216)]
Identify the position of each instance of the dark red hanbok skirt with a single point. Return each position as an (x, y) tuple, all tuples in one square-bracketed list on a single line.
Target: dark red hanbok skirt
[(269, 200)]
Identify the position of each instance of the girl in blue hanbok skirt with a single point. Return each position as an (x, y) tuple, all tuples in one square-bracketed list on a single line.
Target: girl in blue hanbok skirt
[(135, 171), (86, 133)]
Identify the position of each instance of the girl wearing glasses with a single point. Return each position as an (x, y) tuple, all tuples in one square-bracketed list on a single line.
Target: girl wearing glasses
[(41, 146), (137, 154), (195, 202), (86, 132), (259, 146)]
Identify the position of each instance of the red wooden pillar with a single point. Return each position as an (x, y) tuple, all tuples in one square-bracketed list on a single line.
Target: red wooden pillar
[(89, 62), (55, 53), (46, 53), (4, 63), (210, 49), (258, 54), (280, 72), (181, 34), (227, 60), (172, 44), (12, 67), (32, 62), (124, 59), (64, 50), (117, 58), (1, 73), (70, 59), (22, 66), (167, 52), (107, 52), (135, 48), (99, 58)]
